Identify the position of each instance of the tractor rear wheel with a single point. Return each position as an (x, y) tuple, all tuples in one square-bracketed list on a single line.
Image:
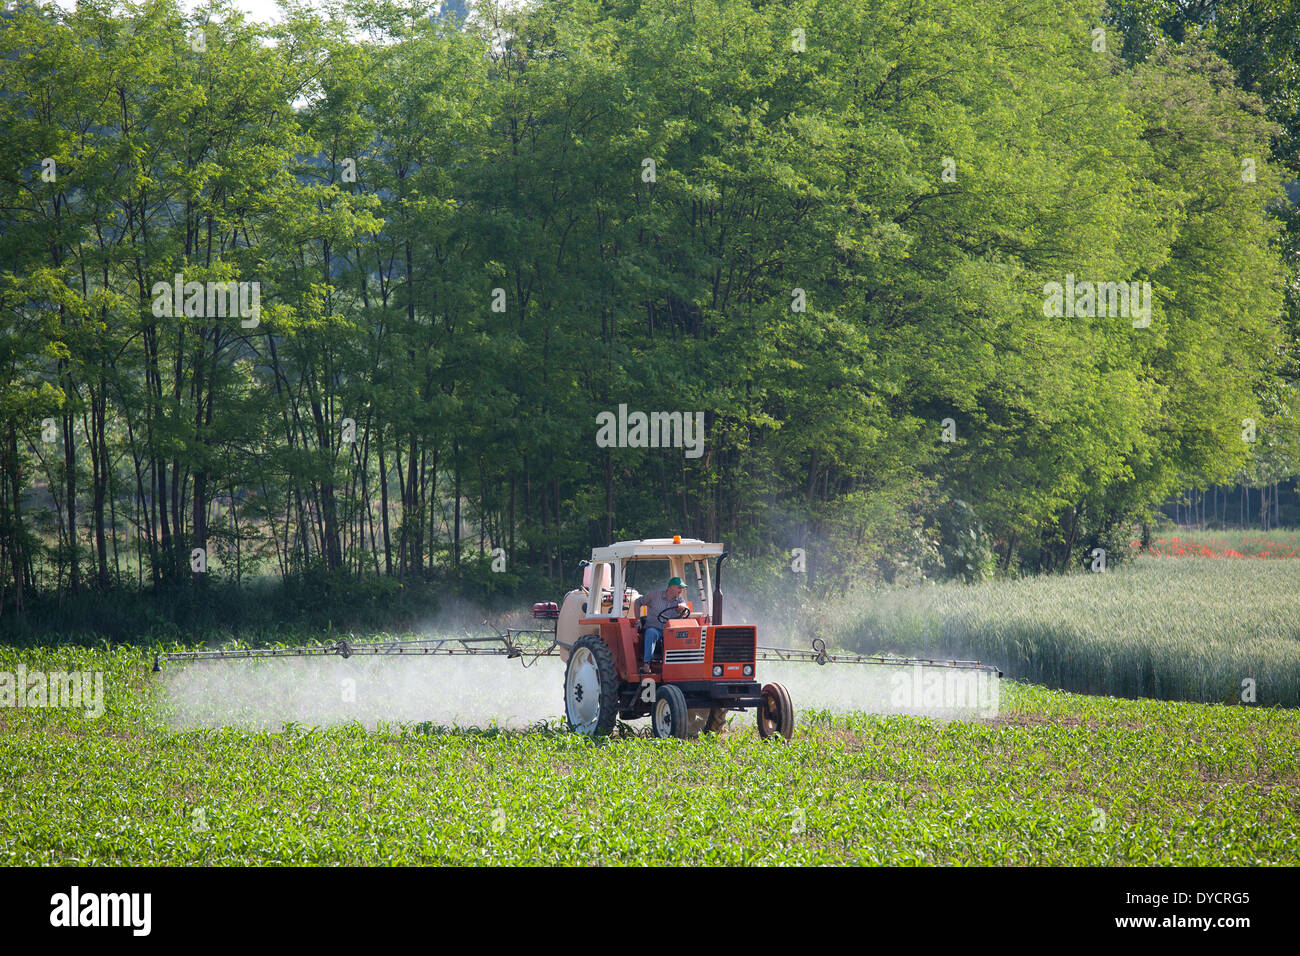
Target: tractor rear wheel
[(776, 712), (591, 688), (668, 714), (708, 720)]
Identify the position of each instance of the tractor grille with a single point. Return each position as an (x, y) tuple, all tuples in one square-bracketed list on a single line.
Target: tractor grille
[(686, 655), (733, 645)]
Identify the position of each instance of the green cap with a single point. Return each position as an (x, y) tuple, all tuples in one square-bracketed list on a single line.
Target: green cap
[(676, 583)]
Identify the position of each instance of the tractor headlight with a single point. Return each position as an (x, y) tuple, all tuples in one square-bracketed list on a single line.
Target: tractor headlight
[(717, 670), (748, 670)]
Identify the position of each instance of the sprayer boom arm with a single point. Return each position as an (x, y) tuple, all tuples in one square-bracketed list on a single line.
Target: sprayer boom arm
[(528, 646), (819, 655), (525, 644)]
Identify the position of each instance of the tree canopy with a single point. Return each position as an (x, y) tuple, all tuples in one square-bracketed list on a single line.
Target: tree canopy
[(831, 229)]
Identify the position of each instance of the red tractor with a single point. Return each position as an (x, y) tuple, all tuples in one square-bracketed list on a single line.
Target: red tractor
[(702, 668)]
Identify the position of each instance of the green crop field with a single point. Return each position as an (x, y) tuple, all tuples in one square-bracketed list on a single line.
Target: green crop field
[(1055, 778)]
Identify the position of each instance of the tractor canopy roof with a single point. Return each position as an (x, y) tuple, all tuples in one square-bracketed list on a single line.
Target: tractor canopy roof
[(650, 548)]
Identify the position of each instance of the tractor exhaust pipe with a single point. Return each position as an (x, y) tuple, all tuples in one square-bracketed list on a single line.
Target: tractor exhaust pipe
[(717, 589)]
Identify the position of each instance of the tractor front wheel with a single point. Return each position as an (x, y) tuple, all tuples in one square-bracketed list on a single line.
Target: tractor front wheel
[(776, 712), (668, 716), (591, 688)]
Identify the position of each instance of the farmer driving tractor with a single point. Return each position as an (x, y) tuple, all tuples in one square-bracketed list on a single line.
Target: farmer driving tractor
[(661, 607)]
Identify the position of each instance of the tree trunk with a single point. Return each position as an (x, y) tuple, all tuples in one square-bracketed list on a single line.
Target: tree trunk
[(528, 511), (329, 508), (13, 471), (1069, 541), (383, 504), (199, 507), (99, 474), (511, 522), (455, 534), (1011, 547), (70, 479), (608, 464), (404, 532)]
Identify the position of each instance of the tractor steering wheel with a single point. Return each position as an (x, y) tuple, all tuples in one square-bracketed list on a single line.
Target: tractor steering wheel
[(664, 619)]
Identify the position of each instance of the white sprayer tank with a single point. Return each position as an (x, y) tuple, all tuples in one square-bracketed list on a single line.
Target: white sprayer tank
[(573, 608)]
